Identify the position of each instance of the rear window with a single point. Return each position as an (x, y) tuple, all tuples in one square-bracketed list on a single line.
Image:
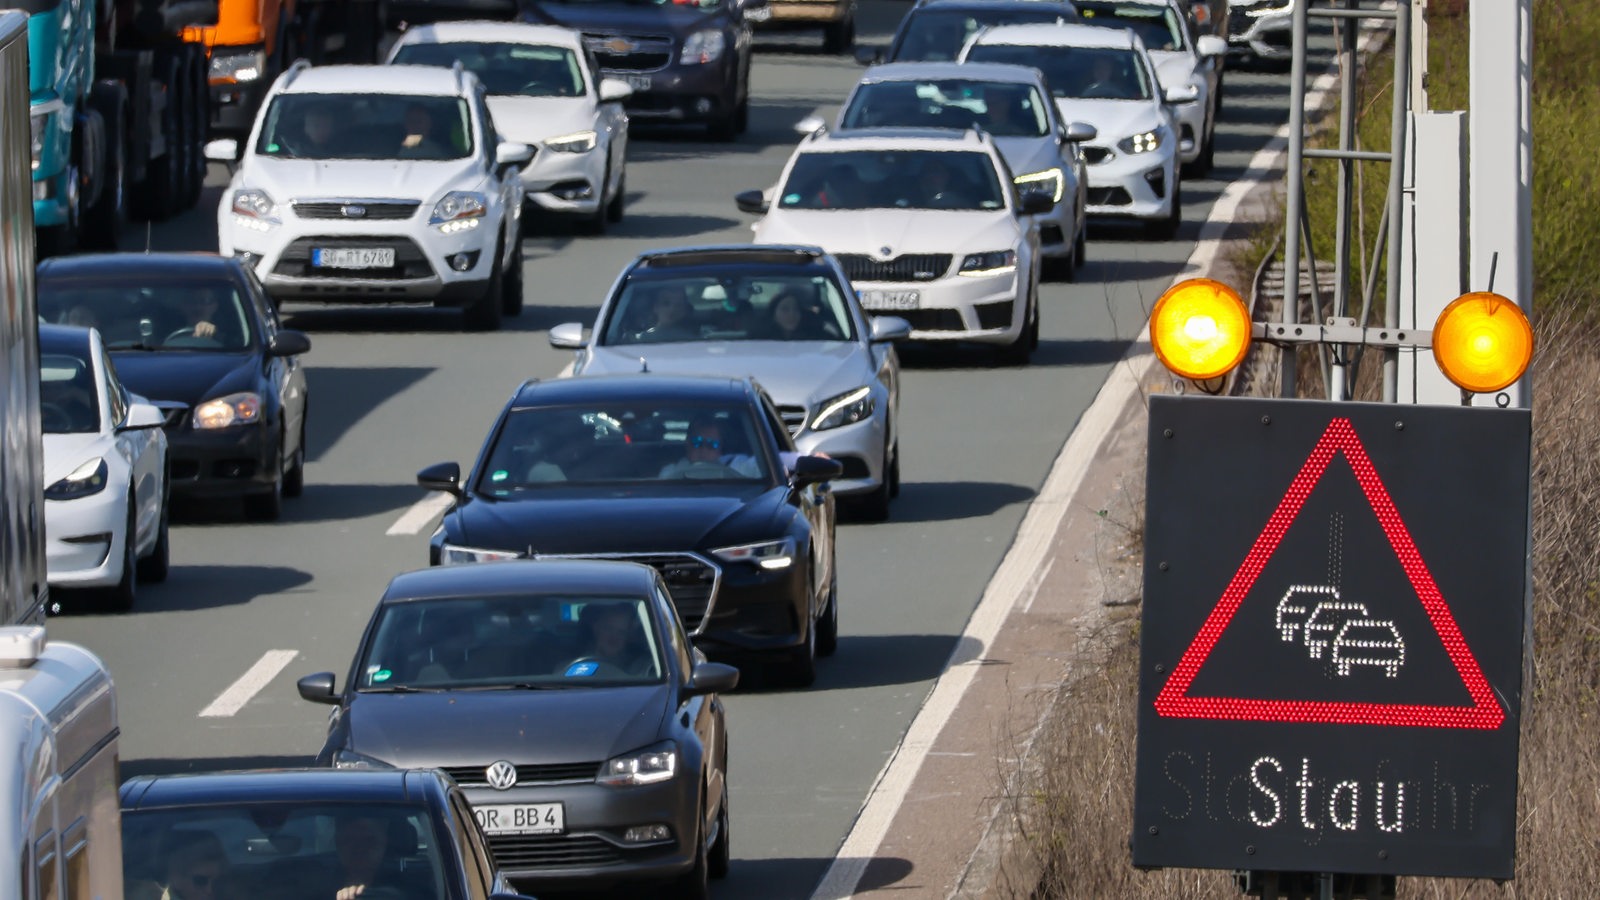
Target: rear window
[(1078, 73), (937, 35), (506, 70), (1004, 109)]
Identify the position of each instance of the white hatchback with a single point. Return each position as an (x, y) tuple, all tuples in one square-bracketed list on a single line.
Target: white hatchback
[(544, 91), (927, 224)]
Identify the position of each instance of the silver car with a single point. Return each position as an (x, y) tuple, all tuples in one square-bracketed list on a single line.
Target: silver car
[(786, 315)]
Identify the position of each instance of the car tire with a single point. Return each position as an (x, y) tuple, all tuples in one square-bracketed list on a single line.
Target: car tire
[(1018, 352), (828, 625), (614, 209), (725, 128), (267, 506), (838, 37), (1061, 268), (121, 597), (154, 568), (1166, 228), (800, 669), (695, 883), (104, 220), (294, 480), (720, 856), (595, 223), (1080, 247), (483, 314), (873, 506), (512, 284), (894, 472)]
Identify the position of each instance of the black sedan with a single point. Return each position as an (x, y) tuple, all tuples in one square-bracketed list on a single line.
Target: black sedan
[(196, 334), (296, 834), (696, 476), (567, 701)]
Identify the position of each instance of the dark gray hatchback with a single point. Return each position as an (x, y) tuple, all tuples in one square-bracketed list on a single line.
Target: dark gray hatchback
[(564, 697)]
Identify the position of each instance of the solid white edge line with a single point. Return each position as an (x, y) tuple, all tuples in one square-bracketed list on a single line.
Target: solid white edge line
[(1035, 536), (249, 684)]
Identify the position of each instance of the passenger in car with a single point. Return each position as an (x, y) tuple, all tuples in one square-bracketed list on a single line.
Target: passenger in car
[(672, 315), (196, 865)]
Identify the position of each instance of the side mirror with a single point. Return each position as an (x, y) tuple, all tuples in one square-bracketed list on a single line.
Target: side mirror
[(444, 476), (1211, 46), (511, 153), (816, 469), (289, 343), (1181, 93), (890, 328), (223, 150), (568, 336), (318, 688), (614, 90), (711, 678), (810, 125), (1037, 202), (752, 202), (867, 54), (143, 415), (1079, 132)]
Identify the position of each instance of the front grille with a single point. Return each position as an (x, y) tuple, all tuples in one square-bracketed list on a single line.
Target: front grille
[(910, 267), (794, 417), (994, 315), (933, 319), (356, 209), (646, 53), (563, 773), (1094, 156), (1111, 196), (409, 262), (550, 851), (691, 580)]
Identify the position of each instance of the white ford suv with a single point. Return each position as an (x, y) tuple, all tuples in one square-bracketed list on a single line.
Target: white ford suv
[(383, 184)]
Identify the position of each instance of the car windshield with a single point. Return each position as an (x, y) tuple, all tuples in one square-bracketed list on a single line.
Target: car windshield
[(366, 126), (893, 179), (69, 402), (283, 851), (1076, 73), (937, 35), (1157, 26), (723, 306), (198, 315), (1002, 108), (480, 643), (555, 446), (506, 70)]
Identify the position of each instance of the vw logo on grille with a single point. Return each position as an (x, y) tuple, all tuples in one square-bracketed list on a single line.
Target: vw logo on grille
[(501, 775), (885, 252), (353, 211)]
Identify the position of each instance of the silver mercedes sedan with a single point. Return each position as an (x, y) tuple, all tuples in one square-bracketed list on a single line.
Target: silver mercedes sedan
[(785, 315)]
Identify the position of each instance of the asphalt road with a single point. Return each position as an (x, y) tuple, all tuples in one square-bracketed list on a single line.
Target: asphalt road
[(396, 388)]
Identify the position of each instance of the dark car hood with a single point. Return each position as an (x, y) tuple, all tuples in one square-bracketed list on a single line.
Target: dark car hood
[(475, 728), (182, 376), (639, 519), (619, 17)]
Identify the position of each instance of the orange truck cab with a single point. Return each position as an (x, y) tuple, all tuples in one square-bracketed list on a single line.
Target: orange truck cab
[(251, 43)]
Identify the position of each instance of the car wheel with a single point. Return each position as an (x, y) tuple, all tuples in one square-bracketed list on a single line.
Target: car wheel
[(721, 854), (1080, 249), (1018, 351), (694, 884), (511, 301), (595, 222), (837, 37), (874, 506), (294, 480), (894, 471), (800, 670), (1166, 228), (121, 596), (724, 128), (614, 209), (483, 314), (153, 568), (1061, 268), (828, 626), (267, 506)]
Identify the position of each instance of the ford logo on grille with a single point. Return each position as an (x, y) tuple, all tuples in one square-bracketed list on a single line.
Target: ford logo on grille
[(352, 211), (501, 775)]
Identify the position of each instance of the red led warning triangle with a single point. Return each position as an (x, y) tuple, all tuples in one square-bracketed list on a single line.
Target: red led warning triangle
[(1484, 713)]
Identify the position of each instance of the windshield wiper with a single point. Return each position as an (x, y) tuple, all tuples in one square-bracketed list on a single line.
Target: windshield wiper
[(398, 689), (132, 345), (519, 686)]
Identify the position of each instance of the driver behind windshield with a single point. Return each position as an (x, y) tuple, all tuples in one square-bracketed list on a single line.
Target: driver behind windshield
[(706, 455)]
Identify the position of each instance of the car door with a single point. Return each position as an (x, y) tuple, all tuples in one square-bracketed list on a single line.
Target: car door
[(142, 449), (704, 715), (284, 375)]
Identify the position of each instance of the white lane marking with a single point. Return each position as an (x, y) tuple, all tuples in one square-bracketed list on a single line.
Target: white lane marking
[(1034, 539), (1037, 583), (249, 684)]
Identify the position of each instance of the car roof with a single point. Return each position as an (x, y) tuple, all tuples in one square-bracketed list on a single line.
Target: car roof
[(973, 71), (522, 578), (1060, 34), (490, 32), (731, 254), (378, 79), (643, 387), (331, 786), (898, 139), (64, 339), (139, 265)]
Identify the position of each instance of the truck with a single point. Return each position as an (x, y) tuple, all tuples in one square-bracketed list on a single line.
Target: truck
[(119, 113), (250, 44)]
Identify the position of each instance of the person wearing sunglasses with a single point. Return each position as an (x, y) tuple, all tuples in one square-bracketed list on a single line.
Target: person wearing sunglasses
[(706, 454), (195, 867)]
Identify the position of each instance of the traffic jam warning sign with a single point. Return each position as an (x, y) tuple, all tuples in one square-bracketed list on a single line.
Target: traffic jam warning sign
[(1331, 638)]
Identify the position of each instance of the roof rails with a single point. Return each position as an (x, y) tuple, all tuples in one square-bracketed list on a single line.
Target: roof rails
[(294, 70), (460, 72)]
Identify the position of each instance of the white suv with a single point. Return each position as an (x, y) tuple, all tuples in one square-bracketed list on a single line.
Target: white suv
[(384, 184), (927, 224)]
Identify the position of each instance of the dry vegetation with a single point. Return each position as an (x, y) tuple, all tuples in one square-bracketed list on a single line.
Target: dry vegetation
[(1074, 809)]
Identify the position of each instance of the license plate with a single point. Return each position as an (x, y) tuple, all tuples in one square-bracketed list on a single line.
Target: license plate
[(353, 258), (637, 82), (521, 818), (891, 300)]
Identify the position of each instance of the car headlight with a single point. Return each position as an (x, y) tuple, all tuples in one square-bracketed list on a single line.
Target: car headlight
[(766, 554), (702, 47), (844, 409), (237, 68), (578, 142), (38, 123), (243, 408), (648, 766), (349, 759), (453, 555), (1144, 142), (85, 480), (253, 209), (1051, 180), (459, 211), (992, 263)]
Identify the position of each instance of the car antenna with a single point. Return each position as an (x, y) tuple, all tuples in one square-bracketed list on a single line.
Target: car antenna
[(644, 364), (147, 236)]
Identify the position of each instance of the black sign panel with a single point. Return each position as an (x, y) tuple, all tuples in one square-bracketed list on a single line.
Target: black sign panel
[(1332, 634)]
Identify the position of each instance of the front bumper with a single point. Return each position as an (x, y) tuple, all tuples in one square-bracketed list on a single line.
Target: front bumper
[(566, 182), (859, 447), (679, 93), (225, 462), (590, 852), (85, 539), (234, 106), (1264, 37), (986, 309), (1138, 185)]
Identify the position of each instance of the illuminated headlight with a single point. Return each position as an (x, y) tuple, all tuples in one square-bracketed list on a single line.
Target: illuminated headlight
[(992, 263), (37, 124), (844, 409), (579, 142), (452, 555), (349, 759), (767, 554), (457, 208), (253, 209), (85, 480), (1051, 180), (1143, 142), (237, 68), (647, 834), (651, 765), (702, 47), (243, 408)]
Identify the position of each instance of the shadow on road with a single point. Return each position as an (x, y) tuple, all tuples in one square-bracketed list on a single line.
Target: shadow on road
[(864, 661), (191, 588), (167, 766), (944, 501), (1062, 352), (341, 397)]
